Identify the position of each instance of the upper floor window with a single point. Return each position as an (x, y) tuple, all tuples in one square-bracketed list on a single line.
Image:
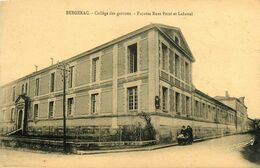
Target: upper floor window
[(37, 87), (132, 96), (203, 110), (26, 88), (164, 98), (95, 69), (51, 109), (70, 106), (197, 108), (71, 71), (187, 72), (164, 57), (94, 103), (177, 65), (132, 58), (22, 90), (52, 82), (13, 96)]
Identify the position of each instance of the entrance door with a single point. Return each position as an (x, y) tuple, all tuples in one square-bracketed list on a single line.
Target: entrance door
[(20, 118)]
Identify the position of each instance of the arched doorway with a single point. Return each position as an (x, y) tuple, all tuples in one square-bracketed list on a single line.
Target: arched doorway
[(20, 119)]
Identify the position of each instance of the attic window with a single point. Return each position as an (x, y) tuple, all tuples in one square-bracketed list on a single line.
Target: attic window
[(176, 39)]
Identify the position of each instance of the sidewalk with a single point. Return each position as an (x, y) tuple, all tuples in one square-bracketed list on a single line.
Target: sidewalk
[(147, 148)]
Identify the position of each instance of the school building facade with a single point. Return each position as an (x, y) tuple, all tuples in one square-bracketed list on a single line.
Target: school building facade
[(112, 83)]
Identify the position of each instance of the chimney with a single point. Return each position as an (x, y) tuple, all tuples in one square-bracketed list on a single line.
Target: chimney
[(242, 99), (51, 61), (226, 93), (36, 68)]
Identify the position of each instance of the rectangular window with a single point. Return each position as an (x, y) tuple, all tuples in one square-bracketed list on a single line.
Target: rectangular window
[(164, 98), (177, 65), (177, 102), (13, 96), (208, 112), (203, 110), (187, 105), (94, 104), (71, 71), (3, 115), (214, 114), (51, 108), (36, 110), (22, 89), (132, 98), (164, 57), (26, 87), (132, 58), (37, 86), (70, 106), (187, 72), (12, 114), (197, 108), (95, 69), (52, 82)]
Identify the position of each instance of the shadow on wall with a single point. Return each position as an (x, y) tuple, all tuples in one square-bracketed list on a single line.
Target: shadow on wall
[(252, 151)]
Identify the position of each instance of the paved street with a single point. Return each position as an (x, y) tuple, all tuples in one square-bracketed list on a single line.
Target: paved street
[(221, 152)]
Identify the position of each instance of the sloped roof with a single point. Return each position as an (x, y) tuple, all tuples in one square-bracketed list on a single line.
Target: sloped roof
[(229, 98), (23, 97), (213, 99), (160, 27), (166, 28)]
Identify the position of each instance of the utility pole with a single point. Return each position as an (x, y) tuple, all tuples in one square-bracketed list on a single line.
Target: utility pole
[(64, 73)]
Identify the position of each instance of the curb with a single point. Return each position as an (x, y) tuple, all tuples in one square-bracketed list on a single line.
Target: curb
[(82, 152)]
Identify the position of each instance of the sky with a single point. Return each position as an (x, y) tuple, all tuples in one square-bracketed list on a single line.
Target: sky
[(224, 37)]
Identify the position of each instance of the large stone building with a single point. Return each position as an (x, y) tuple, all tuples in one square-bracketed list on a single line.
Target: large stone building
[(110, 84), (241, 110)]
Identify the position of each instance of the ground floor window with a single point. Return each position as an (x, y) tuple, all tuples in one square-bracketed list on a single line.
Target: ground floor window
[(164, 98), (36, 111), (177, 102), (132, 96), (187, 105), (94, 103), (51, 108), (12, 114), (70, 106)]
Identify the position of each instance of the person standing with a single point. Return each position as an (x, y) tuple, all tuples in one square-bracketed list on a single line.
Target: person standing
[(183, 131), (189, 132)]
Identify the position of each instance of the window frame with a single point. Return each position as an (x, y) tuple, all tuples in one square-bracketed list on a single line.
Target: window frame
[(72, 107), (134, 98), (98, 101), (34, 114), (52, 81), (95, 62), (165, 56), (53, 111), (165, 94), (37, 86), (131, 69), (71, 76), (127, 85)]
